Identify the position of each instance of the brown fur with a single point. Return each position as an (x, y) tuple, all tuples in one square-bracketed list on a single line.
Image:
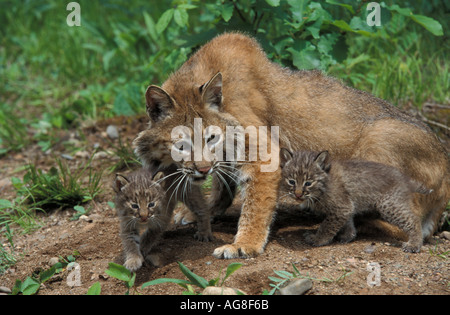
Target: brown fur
[(314, 112), (343, 189)]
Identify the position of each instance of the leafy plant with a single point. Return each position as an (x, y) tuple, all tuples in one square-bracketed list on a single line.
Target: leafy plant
[(121, 273), (196, 280), (31, 284)]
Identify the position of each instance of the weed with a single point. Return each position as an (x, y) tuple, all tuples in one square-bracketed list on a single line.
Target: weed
[(59, 187), (196, 280)]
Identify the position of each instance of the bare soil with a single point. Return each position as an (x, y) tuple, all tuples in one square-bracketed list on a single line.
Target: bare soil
[(335, 269)]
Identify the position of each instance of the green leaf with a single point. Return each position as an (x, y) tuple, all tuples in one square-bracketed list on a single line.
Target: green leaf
[(151, 27), (47, 274), (430, 24), (30, 286), (5, 204), (231, 269), (305, 56), (164, 20), (95, 289), (79, 209), (195, 279), (226, 11), (181, 17), (181, 282), (347, 6), (118, 272), (273, 3)]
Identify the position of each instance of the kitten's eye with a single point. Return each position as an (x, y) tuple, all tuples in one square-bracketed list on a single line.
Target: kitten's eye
[(135, 206), (151, 204), (180, 148), (307, 184), (291, 182)]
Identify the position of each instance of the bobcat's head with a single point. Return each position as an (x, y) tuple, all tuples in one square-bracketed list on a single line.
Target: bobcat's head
[(187, 129)]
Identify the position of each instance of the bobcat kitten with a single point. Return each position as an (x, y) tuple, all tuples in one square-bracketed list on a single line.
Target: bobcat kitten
[(144, 215), (342, 189)]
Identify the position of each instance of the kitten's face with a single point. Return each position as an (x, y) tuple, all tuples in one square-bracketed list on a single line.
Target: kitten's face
[(304, 175), (138, 197)]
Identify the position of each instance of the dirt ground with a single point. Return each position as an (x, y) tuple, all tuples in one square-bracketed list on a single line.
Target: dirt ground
[(335, 269)]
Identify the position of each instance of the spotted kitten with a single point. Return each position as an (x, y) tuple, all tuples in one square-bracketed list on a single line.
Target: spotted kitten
[(342, 189), (144, 214)]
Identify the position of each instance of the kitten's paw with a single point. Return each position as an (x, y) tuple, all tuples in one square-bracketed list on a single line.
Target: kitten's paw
[(312, 239), (134, 263), (203, 237), (236, 251), (409, 248)]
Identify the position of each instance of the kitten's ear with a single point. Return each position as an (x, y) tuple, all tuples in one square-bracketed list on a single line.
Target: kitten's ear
[(158, 176), (212, 92), (285, 156), (323, 160), (159, 103), (119, 182)]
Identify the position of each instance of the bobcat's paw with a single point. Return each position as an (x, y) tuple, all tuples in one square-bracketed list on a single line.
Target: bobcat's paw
[(134, 263), (237, 251)]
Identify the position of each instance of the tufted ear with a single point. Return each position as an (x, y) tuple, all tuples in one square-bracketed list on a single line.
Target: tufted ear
[(212, 92), (119, 182), (323, 160), (159, 103), (285, 156)]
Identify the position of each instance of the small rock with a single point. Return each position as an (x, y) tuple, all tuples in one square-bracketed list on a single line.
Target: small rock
[(82, 154), (100, 155), (446, 235), (53, 261), (221, 291), (296, 287), (5, 290), (85, 218), (112, 132), (369, 249), (67, 156)]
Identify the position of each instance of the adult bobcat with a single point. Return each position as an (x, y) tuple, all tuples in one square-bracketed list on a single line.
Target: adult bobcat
[(230, 81)]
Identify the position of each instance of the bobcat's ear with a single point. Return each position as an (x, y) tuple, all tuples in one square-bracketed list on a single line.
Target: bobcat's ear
[(119, 182), (323, 160), (285, 156), (212, 92), (159, 103)]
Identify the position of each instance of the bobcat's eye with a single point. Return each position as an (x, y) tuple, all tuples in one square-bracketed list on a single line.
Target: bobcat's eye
[(291, 182), (308, 184), (151, 204), (135, 206)]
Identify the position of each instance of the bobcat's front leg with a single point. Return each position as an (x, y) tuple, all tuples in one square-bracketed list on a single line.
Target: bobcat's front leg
[(256, 215)]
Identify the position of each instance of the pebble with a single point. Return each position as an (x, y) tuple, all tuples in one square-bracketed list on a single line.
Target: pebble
[(53, 261), (296, 287), (5, 290), (112, 132), (446, 235), (221, 291)]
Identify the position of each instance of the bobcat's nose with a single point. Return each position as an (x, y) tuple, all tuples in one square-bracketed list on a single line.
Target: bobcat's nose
[(204, 170), (299, 195)]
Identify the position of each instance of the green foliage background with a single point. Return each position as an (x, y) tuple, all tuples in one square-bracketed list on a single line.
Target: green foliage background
[(53, 75)]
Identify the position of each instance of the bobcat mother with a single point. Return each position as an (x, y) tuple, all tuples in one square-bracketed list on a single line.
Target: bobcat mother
[(230, 81)]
